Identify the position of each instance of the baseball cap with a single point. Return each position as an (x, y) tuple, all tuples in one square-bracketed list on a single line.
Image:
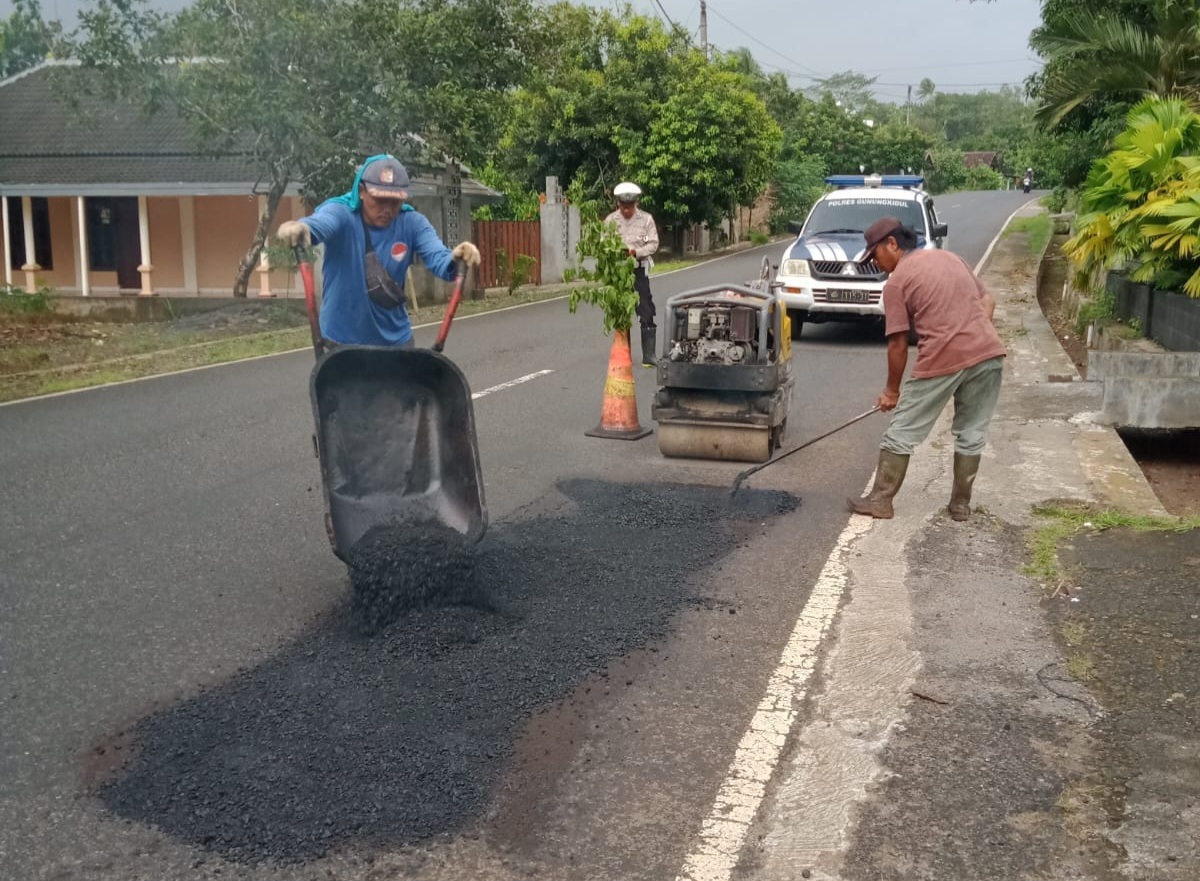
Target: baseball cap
[(877, 232), (386, 179)]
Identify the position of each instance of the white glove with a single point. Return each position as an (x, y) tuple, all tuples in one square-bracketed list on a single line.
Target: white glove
[(467, 253), (293, 232)]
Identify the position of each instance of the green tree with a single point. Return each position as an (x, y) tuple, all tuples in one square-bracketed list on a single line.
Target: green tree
[(824, 130), (945, 171), (304, 88), (926, 90), (849, 89), (711, 146), (1117, 50), (1142, 201), (798, 184), (26, 38)]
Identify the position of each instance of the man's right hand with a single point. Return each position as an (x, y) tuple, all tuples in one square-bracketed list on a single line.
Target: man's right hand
[(294, 233)]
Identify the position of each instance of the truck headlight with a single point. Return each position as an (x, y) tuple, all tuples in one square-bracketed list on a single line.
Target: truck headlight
[(794, 267)]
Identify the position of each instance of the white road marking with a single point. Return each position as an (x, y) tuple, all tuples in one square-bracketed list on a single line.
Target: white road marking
[(724, 832), (92, 388), (502, 386)]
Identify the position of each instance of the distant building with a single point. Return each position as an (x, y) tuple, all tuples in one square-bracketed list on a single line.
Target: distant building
[(101, 199)]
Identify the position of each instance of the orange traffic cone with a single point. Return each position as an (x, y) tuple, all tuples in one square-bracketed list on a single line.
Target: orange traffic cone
[(618, 417)]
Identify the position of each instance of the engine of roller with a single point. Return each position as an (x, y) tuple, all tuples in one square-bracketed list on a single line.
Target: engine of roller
[(725, 381), (717, 333)]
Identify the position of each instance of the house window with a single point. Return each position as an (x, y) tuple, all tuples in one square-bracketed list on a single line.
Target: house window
[(41, 232), (102, 234)]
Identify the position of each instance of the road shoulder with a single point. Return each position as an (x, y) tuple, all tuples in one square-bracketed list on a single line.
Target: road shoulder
[(952, 736)]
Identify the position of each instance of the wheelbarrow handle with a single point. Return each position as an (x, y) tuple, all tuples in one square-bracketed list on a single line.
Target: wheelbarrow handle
[(310, 299), (451, 307)]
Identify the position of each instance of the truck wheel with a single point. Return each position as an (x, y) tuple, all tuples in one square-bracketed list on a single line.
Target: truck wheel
[(797, 325)]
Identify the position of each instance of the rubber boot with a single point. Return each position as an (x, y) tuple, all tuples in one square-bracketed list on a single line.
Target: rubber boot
[(648, 333), (965, 468), (889, 475)]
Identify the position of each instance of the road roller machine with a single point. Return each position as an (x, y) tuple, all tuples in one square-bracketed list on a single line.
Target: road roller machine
[(724, 374)]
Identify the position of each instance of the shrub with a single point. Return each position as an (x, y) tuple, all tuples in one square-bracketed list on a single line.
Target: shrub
[(1141, 202), (16, 300)]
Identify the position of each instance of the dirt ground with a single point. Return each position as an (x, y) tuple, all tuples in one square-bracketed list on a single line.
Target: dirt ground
[(1169, 459)]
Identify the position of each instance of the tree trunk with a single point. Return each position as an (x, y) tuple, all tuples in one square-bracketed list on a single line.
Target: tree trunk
[(279, 182)]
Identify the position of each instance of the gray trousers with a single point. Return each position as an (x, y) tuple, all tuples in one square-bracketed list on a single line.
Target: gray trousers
[(975, 392)]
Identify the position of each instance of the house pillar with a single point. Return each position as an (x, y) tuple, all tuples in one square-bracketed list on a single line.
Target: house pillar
[(84, 269), (31, 267), (146, 267), (264, 262), (187, 235), (8, 278)]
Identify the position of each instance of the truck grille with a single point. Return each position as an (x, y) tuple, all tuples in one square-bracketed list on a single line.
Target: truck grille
[(837, 269)]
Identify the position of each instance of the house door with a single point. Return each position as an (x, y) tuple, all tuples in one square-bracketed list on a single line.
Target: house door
[(129, 245), (114, 243)]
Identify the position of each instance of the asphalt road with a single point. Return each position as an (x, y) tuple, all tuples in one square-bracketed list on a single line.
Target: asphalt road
[(163, 545)]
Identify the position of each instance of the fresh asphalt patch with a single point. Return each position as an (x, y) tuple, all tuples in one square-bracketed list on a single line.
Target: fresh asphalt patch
[(380, 741), (400, 566)]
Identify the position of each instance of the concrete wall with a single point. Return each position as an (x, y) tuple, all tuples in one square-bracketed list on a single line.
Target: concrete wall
[(560, 234), (1148, 389), (1169, 318)]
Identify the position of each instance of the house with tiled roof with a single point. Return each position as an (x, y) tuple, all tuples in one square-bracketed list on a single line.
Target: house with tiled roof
[(100, 199)]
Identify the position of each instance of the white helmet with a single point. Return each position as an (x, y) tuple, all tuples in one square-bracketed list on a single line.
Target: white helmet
[(627, 192)]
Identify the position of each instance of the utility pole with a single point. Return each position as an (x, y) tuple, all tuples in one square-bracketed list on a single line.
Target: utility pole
[(908, 108), (704, 28)]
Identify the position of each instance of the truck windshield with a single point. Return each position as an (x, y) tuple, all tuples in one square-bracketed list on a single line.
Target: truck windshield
[(855, 215)]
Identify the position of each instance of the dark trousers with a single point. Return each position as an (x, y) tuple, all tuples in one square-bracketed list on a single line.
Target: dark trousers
[(645, 306)]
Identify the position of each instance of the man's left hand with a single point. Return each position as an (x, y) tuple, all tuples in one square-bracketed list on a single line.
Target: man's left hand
[(467, 253), (888, 400)]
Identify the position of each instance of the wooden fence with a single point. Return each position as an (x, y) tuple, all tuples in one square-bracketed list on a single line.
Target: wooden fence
[(500, 243)]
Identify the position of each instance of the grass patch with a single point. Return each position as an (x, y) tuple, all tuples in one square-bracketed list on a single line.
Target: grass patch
[(1073, 633), (1038, 228), (672, 265), (1065, 520), (14, 300), (83, 355), (1081, 668)]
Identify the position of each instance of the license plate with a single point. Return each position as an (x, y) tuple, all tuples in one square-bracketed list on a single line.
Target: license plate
[(844, 295)]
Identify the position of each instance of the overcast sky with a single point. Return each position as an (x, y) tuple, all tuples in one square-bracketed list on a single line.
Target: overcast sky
[(961, 46)]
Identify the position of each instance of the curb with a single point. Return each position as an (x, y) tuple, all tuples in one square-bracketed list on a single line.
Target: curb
[(1035, 398)]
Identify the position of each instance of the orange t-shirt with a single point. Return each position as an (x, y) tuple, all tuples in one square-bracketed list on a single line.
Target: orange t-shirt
[(936, 294)]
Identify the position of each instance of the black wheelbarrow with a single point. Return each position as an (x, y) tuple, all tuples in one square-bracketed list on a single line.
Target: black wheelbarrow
[(395, 434)]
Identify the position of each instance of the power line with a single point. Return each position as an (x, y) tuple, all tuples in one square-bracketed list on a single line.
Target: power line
[(761, 43), (948, 66), (674, 27)]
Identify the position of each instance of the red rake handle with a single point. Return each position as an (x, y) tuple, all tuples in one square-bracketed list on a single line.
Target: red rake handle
[(451, 308), (310, 299)]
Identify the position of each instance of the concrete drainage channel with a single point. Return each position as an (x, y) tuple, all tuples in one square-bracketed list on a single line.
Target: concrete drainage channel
[(343, 740)]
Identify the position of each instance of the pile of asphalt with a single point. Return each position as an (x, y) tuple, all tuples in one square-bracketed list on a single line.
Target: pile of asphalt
[(400, 566), (395, 738)]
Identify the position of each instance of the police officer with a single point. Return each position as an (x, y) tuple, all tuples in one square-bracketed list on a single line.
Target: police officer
[(641, 238)]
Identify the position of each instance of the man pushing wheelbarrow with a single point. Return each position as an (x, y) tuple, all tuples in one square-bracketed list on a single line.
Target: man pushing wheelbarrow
[(363, 302), (395, 428)]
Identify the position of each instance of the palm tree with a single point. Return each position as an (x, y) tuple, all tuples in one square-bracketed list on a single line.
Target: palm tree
[(1091, 53), (1142, 201)]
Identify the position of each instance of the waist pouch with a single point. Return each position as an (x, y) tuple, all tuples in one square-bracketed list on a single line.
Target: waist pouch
[(384, 291)]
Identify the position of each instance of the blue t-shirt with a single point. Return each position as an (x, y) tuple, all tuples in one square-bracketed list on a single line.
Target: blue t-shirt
[(347, 314)]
